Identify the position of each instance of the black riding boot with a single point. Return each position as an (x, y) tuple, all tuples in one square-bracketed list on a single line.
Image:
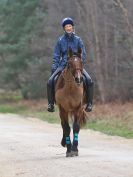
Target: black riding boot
[(50, 95), (89, 94)]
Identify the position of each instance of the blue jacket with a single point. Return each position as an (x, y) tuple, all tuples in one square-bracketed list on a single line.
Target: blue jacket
[(60, 54)]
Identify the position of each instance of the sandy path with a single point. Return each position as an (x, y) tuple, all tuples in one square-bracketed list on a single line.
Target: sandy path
[(31, 148)]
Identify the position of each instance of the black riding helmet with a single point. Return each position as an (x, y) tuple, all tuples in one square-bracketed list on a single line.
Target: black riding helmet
[(67, 21)]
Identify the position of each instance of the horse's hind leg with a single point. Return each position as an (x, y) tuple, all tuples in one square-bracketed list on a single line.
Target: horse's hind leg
[(76, 129)]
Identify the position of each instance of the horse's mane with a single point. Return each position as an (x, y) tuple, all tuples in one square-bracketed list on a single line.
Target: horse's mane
[(60, 82), (77, 54)]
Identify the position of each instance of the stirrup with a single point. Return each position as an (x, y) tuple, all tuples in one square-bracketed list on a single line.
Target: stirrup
[(88, 107), (50, 108)]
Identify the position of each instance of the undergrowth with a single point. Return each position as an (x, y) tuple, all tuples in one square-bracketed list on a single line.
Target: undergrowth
[(111, 119)]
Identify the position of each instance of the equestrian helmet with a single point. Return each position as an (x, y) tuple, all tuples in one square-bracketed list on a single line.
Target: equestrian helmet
[(67, 21)]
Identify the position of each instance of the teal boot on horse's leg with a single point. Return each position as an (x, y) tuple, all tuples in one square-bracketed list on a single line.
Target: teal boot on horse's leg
[(68, 144), (66, 131), (76, 128)]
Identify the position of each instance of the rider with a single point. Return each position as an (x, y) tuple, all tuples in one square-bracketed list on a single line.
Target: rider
[(60, 56)]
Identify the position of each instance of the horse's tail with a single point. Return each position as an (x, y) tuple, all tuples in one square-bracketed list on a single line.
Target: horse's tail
[(82, 116)]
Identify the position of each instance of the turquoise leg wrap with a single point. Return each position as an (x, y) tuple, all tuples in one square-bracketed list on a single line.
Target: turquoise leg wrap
[(68, 140), (75, 136), (75, 139)]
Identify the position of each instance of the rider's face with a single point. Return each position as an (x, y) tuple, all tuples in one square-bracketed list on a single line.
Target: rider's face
[(68, 28)]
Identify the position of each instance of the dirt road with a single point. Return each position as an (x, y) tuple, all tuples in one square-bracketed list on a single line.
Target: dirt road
[(31, 148)]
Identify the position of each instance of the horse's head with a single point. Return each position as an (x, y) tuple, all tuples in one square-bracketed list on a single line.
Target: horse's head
[(75, 65)]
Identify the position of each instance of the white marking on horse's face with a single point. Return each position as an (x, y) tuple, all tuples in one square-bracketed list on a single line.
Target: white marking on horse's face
[(75, 59), (79, 75)]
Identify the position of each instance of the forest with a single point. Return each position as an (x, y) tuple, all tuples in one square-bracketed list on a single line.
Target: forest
[(29, 30)]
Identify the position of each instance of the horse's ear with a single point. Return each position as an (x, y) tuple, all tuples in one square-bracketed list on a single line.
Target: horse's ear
[(70, 52), (79, 50)]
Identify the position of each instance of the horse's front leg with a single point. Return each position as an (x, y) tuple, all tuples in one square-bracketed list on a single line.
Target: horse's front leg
[(76, 129), (66, 141), (63, 141), (66, 131)]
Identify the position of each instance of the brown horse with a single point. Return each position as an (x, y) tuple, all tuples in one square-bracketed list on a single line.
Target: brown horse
[(69, 96)]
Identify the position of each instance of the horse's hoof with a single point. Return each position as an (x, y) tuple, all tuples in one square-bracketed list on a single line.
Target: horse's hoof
[(74, 150), (74, 153), (63, 142), (68, 154)]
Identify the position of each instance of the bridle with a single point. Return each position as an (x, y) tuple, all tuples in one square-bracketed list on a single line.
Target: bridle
[(77, 71)]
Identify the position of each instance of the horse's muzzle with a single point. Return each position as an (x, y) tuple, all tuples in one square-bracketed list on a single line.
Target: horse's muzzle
[(79, 80)]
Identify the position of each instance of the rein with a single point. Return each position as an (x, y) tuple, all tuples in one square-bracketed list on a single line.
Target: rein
[(67, 80)]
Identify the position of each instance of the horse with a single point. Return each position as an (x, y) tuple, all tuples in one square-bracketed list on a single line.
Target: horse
[(70, 98)]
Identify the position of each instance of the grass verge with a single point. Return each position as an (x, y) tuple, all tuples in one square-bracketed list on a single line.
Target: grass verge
[(112, 127), (111, 119)]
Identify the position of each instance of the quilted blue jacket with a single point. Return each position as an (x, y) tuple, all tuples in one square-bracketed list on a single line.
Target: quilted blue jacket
[(60, 51)]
